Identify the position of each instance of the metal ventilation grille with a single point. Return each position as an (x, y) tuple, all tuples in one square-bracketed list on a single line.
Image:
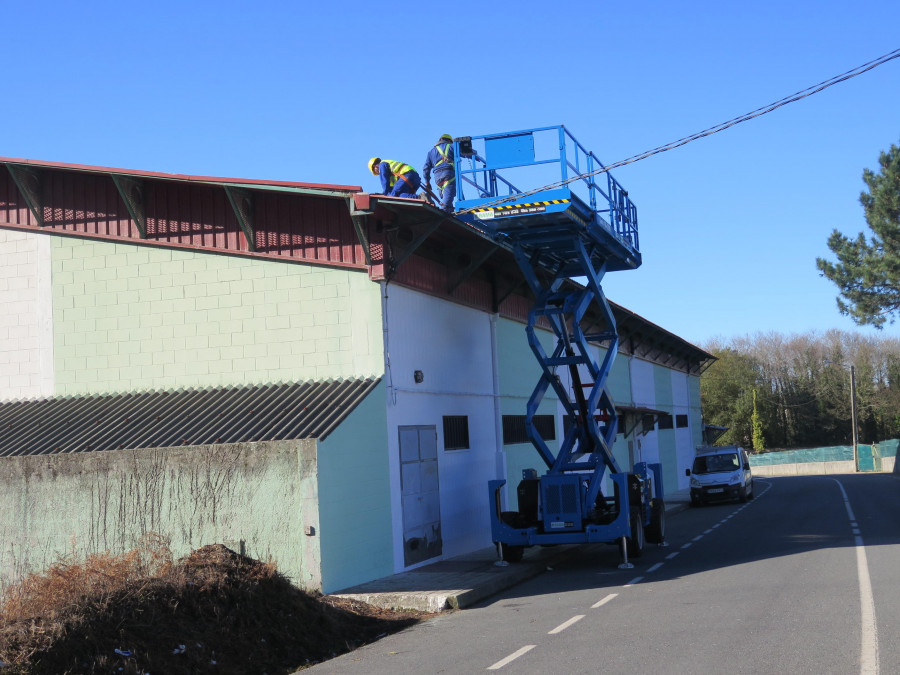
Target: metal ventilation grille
[(161, 419)]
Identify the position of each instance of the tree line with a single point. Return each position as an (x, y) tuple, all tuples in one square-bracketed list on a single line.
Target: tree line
[(777, 392)]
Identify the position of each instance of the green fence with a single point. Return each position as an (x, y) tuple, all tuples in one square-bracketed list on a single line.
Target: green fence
[(868, 456)]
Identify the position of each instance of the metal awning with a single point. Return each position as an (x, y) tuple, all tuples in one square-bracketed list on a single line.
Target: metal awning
[(638, 414), (161, 419)]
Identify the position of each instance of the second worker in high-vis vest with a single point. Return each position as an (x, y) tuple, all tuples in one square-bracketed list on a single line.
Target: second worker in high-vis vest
[(440, 160), (397, 179)]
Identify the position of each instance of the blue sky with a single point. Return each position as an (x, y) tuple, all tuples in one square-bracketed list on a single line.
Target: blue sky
[(730, 225)]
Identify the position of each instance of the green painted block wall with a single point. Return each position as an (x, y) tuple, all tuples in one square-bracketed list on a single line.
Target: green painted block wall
[(519, 374), (619, 382), (354, 498), (131, 317), (668, 453)]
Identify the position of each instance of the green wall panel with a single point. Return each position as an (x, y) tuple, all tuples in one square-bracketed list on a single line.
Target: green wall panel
[(354, 498), (131, 317)]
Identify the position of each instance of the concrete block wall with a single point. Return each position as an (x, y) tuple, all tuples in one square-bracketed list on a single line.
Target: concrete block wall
[(26, 332), (128, 317)]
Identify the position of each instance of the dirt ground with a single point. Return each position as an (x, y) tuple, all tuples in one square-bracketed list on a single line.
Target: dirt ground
[(214, 611)]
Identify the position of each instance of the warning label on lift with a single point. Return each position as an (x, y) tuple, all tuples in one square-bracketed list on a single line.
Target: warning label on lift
[(522, 210)]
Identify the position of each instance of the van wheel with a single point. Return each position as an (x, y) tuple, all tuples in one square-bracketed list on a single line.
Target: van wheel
[(742, 495), (656, 530), (750, 496)]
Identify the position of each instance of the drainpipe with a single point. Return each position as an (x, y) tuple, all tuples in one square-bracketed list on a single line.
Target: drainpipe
[(500, 458)]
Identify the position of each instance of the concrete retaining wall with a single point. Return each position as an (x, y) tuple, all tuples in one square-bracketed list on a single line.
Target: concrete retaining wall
[(888, 465), (253, 497)]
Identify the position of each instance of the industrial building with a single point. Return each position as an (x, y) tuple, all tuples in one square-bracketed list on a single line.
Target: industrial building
[(306, 373)]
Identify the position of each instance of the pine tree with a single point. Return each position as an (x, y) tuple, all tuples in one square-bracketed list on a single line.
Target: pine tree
[(868, 270)]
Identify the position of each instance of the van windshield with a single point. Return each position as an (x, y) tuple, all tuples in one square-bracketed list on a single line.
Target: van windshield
[(716, 463)]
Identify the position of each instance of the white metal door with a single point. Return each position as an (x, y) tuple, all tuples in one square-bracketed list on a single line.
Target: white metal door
[(420, 494)]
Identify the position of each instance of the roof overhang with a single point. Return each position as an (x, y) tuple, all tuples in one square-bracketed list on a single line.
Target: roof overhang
[(415, 227)]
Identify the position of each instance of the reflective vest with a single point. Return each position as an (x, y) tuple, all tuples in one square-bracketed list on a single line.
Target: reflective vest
[(397, 169), (444, 149)]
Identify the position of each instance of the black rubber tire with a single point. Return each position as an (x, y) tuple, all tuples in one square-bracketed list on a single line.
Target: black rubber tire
[(635, 543), (513, 553), (656, 530), (742, 495), (696, 503), (750, 496)]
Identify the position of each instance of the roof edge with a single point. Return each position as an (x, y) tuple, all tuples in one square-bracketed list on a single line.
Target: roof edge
[(177, 176)]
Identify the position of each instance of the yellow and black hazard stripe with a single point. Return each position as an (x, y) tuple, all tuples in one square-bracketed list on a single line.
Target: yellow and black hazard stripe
[(507, 207)]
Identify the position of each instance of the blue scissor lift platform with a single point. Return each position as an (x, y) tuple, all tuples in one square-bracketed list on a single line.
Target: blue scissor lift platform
[(582, 223)]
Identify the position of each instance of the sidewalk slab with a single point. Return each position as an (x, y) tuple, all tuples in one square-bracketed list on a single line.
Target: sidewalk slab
[(462, 581)]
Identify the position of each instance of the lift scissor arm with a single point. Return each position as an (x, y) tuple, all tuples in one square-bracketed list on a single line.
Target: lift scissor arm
[(556, 234)]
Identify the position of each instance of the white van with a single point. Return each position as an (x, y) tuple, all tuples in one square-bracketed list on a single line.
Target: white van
[(720, 473)]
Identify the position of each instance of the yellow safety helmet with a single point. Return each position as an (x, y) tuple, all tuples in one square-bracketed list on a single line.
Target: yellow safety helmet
[(373, 165), (446, 137)]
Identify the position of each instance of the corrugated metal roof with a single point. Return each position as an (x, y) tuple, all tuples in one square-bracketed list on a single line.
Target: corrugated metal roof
[(160, 419)]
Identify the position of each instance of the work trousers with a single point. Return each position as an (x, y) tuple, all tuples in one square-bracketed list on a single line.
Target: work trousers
[(406, 188), (446, 182)]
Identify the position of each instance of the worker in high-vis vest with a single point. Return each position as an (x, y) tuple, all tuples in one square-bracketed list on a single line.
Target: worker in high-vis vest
[(397, 179), (440, 160)]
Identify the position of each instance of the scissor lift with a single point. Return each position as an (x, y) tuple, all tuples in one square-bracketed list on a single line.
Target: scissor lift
[(582, 225)]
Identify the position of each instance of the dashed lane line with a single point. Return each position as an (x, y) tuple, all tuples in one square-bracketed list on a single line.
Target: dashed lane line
[(561, 627), (512, 657), (602, 602)]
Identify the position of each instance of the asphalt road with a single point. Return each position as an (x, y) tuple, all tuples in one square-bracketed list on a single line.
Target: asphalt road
[(803, 579)]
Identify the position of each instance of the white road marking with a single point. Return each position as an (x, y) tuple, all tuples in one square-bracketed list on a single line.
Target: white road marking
[(687, 545), (655, 567), (561, 627), (512, 657), (671, 555), (868, 658), (697, 538), (707, 531), (633, 581), (604, 601)]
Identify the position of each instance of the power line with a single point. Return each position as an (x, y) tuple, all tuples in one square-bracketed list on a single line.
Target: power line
[(803, 93)]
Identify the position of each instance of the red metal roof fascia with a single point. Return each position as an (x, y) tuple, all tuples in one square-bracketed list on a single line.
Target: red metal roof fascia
[(187, 247), (180, 177), (660, 329)]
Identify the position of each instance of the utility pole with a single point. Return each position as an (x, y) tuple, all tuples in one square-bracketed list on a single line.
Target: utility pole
[(855, 434)]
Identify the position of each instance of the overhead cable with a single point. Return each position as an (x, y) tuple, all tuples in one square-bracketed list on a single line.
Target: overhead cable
[(809, 91)]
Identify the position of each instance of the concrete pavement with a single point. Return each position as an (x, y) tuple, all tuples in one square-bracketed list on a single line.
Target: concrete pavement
[(466, 579)]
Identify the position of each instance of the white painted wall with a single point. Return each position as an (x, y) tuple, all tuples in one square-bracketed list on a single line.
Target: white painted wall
[(26, 322), (643, 390), (684, 447), (451, 345)]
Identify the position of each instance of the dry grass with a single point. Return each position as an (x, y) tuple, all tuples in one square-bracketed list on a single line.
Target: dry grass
[(143, 612)]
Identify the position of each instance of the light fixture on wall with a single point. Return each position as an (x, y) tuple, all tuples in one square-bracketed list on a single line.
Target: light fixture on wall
[(418, 376)]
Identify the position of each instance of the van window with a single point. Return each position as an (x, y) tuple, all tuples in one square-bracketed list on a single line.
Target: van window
[(716, 463)]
